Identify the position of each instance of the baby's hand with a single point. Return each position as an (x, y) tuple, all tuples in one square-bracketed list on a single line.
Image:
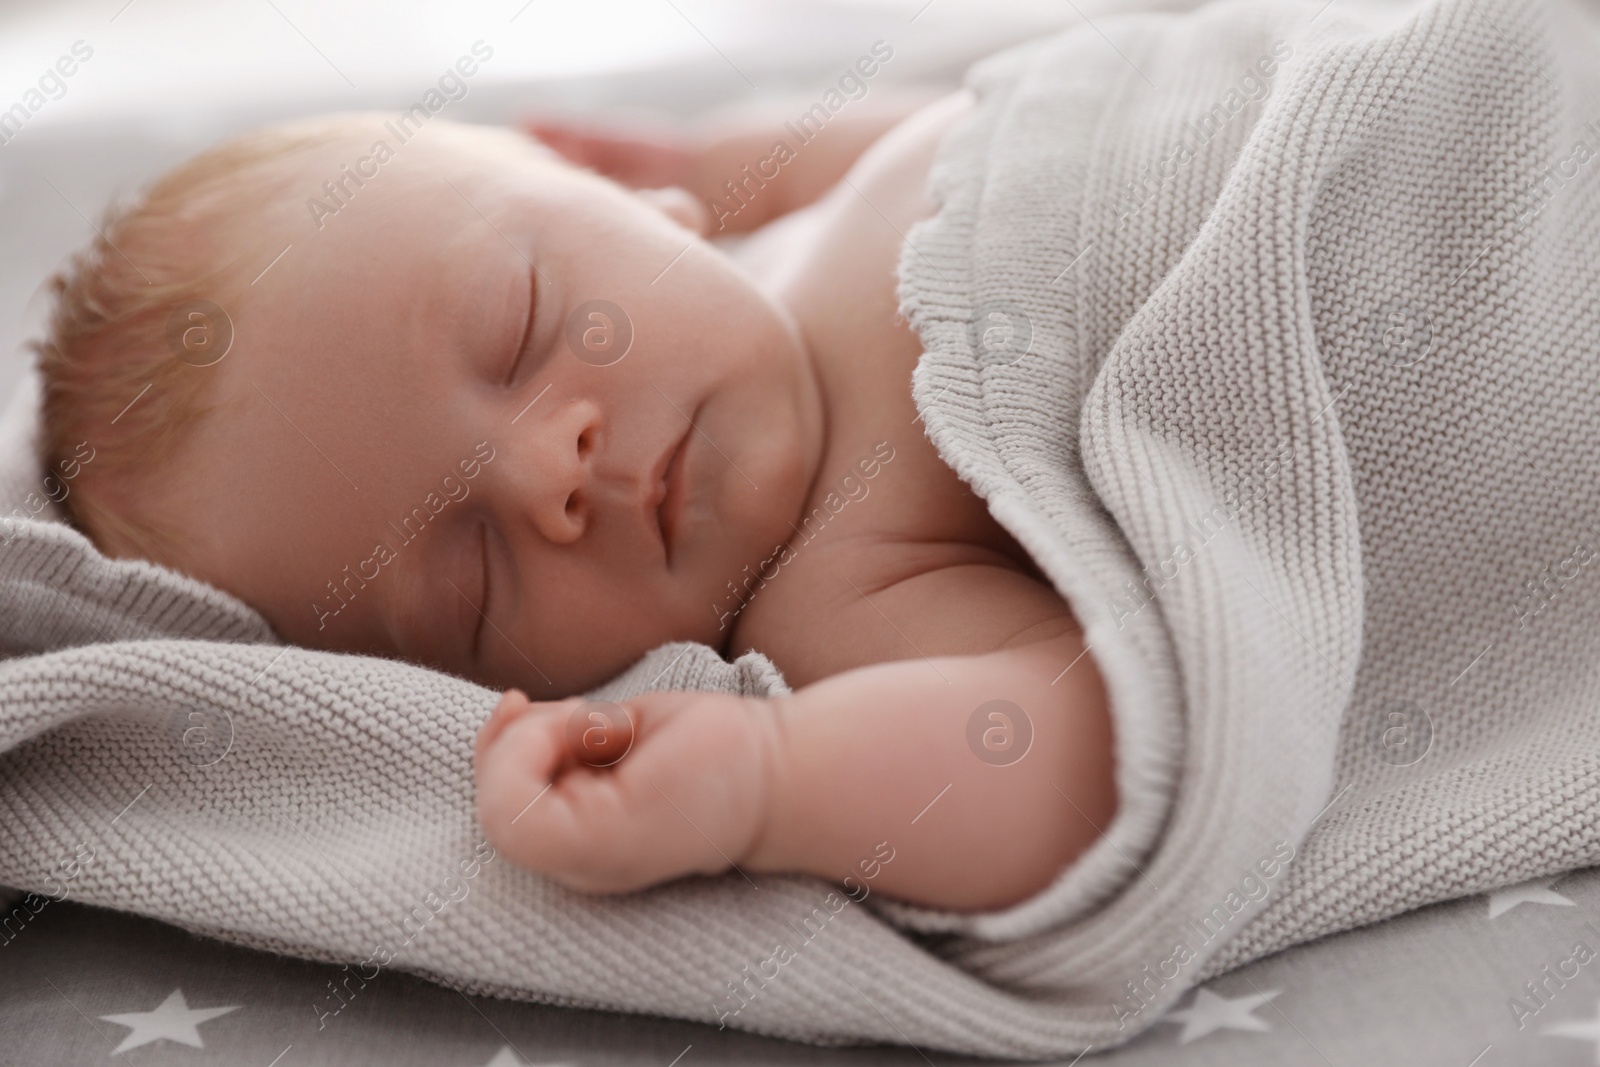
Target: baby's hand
[(693, 162), (607, 797), (640, 161), (728, 160)]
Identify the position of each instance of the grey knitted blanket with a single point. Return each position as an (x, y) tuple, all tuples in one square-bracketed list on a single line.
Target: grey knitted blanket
[(1269, 330)]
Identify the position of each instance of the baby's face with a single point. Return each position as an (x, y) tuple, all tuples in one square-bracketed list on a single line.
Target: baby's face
[(421, 452)]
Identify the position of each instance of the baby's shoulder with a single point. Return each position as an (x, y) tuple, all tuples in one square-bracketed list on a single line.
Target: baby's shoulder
[(844, 607), (893, 559)]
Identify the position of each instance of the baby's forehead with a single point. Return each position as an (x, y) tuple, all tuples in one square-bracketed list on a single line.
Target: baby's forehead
[(381, 254), (300, 177)]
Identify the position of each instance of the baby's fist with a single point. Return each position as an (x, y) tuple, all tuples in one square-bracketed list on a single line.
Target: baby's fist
[(610, 797)]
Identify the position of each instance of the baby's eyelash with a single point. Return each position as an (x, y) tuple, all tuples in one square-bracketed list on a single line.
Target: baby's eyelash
[(527, 333)]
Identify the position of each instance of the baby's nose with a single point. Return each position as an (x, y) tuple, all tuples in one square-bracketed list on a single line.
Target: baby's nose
[(560, 463)]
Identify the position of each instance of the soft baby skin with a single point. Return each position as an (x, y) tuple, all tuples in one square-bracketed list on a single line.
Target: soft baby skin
[(424, 443)]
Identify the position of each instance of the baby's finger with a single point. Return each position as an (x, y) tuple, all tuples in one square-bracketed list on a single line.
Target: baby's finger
[(599, 733), (513, 705), (519, 767), (513, 702)]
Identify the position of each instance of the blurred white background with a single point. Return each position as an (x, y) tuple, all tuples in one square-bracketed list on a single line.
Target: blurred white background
[(168, 77)]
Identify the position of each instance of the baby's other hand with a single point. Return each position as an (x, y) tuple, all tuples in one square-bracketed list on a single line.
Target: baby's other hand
[(698, 159), (610, 797), (642, 161)]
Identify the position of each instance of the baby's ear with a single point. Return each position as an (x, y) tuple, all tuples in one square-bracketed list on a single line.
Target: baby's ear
[(679, 205)]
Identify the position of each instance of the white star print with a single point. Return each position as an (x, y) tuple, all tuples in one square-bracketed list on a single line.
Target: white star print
[(174, 1020), (1585, 1030), (1208, 1012), (506, 1057), (1537, 891)]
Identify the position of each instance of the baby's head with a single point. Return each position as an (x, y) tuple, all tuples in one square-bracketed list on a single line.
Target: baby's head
[(372, 385)]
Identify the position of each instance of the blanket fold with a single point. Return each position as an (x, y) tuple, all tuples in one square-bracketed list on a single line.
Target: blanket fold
[(1268, 329)]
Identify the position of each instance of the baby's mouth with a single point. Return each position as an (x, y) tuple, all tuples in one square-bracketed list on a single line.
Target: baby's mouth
[(669, 511)]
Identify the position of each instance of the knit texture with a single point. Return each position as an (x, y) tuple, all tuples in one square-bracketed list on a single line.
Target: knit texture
[(1306, 434), (1300, 432)]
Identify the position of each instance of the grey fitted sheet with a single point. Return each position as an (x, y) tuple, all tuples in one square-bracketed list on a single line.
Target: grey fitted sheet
[(1435, 986)]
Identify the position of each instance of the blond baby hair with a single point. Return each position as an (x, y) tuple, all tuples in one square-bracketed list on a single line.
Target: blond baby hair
[(116, 362)]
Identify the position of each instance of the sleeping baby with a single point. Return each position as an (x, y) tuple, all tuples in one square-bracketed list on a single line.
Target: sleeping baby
[(524, 408)]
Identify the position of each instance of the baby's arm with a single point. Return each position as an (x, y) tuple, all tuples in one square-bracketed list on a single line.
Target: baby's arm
[(811, 782), (891, 752)]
